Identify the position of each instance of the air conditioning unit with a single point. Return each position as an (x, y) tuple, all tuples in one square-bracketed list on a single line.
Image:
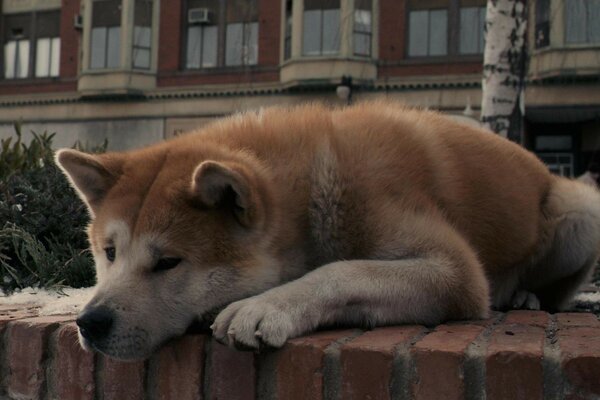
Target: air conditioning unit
[(199, 16), (78, 21)]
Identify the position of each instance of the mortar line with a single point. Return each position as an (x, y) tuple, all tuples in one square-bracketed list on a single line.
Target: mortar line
[(332, 370)]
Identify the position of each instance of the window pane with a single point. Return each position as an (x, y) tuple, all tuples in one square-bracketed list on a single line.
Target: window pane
[(141, 57), (209, 47), (362, 44), (362, 21), (143, 13), (418, 33), (42, 57), (55, 58), (593, 21), (98, 57), (194, 41), (331, 31), (251, 43), (10, 51), (482, 15), (469, 30), (575, 21), (23, 59), (142, 36), (106, 13), (438, 32), (114, 47), (311, 33), (234, 43)]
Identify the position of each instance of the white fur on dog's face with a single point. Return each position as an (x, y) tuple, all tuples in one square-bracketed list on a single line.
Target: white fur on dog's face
[(151, 307)]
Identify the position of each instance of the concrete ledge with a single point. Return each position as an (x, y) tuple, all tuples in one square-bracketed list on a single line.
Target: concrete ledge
[(517, 355)]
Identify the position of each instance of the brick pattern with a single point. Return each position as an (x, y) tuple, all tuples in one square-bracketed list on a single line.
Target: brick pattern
[(518, 355)]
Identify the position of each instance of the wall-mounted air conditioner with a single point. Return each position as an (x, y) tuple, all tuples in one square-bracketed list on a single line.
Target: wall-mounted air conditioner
[(199, 16)]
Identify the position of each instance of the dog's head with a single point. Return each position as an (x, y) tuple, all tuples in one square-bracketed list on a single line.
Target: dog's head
[(176, 233)]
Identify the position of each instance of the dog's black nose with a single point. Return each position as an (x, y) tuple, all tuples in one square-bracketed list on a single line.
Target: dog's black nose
[(94, 324)]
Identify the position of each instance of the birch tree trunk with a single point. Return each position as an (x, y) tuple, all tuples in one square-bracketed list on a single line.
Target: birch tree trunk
[(504, 68)]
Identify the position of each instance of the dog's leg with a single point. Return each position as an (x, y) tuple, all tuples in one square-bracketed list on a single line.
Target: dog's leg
[(425, 290)]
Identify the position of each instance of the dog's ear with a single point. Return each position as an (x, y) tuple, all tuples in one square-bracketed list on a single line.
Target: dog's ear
[(229, 185), (90, 175)]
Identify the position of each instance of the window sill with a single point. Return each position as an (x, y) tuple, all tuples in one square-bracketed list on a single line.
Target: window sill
[(451, 59), (298, 71), (115, 82)]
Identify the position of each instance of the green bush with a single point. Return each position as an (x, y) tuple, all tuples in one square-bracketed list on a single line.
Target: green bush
[(42, 221)]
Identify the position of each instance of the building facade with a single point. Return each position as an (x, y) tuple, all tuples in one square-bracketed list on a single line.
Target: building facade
[(139, 71)]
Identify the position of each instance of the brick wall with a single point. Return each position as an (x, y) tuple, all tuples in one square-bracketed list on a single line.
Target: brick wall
[(519, 355)]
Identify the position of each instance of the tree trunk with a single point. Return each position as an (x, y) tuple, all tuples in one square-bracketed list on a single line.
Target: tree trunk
[(504, 68)]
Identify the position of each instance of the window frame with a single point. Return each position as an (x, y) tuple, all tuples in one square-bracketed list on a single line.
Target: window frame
[(453, 28), (321, 52), (588, 40), (108, 29), (34, 33), (221, 23), (362, 33)]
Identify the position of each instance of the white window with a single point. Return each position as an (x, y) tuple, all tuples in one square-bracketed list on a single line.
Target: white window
[(105, 46), (16, 59), (321, 27), (201, 46), (472, 24), (428, 33), (142, 34), (582, 21), (241, 44), (47, 57), (363, 28)]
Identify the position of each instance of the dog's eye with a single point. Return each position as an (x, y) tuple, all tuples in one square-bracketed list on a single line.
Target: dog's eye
[(110, 253), (164, 264)]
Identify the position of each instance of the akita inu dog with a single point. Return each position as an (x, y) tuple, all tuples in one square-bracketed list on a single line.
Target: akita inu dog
[(291, 219)]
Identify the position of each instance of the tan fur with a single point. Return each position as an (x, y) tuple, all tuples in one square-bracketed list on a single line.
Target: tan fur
[(374, 214)]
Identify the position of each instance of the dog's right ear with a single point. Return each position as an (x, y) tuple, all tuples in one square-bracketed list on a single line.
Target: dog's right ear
[(90, 175)]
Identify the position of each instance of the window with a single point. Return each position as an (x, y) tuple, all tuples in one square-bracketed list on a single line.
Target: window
[(47, 47), (363, 28), (241, 41), (581, 23), (472, 25), (202, 34), (542, 23), (142, 34), (106, 34), (321, 28), (287, 42), (32, 45), (428, 33)]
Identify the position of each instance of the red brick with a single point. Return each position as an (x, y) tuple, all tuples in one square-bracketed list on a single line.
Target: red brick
[(566, 320), (270, 32), (121, 380), (527, 317), (72, 368), (439, 359), (514, 362), (300, 365), (391, 33), (366, 361), (580, 357), (26, 351), (69, 39), (169, 46), (180, 369), (232, 374)]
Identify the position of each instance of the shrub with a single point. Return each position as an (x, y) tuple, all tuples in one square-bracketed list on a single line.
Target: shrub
[(42, 221)]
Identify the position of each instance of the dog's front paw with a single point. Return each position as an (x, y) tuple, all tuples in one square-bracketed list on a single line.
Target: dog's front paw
[(251, 323)]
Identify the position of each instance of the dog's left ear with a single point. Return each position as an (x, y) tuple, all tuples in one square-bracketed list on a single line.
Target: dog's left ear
[(228, 185)]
